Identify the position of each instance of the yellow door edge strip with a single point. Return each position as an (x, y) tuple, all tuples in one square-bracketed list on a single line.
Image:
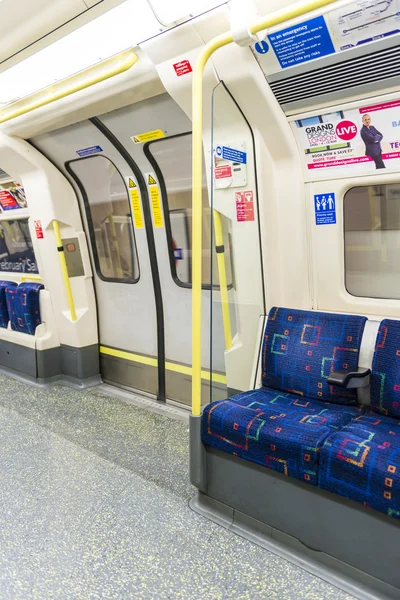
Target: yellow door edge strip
[(220, 41), (75, 83), (152, 362)]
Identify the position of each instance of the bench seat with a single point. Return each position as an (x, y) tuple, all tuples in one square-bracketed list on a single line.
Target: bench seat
[(362, 463), (278, 430)]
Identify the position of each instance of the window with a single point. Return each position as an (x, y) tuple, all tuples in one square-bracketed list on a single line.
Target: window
[(109, 218), (372, 241), (16, 250), (171, 159)]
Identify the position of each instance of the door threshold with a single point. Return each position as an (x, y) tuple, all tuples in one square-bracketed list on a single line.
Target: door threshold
[(170, 409)]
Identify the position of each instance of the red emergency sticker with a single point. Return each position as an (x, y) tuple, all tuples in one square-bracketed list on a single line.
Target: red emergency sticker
[(223, 172), (244, 206), (39, 230), (183, 67)]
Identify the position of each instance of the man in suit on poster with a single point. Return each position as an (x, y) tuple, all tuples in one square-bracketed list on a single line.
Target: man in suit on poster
[(372, 140)]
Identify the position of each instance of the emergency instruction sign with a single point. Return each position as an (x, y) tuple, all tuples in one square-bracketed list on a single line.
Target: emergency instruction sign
[(325, 209), (302, 42)]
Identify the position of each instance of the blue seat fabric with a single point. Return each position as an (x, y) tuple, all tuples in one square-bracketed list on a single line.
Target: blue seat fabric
[(23, 307), (362, 463), (301, 348), (284, 424), (4, 318), (278, 430), (385, 381)]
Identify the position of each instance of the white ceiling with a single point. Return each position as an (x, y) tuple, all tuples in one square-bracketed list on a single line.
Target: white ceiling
[(26, 21)]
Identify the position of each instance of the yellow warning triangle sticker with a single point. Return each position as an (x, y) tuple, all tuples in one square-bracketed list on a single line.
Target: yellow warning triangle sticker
[(152, 181), (136, 140), (132, 184)]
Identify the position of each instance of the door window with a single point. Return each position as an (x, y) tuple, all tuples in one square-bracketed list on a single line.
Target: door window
[(109, 218), (171, 158)]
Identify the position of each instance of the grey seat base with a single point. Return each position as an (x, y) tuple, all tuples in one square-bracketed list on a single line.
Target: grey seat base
[(354, 548)]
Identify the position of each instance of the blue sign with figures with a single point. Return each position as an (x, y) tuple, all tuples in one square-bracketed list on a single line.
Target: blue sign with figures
[(89, 151), (178, 253), (302, 42), (325, 209), (261, 47), (233, 155)]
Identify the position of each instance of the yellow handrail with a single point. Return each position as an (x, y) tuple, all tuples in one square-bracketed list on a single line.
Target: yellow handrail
[(219, 242), (75, 83), (276, 18), (64, 270)]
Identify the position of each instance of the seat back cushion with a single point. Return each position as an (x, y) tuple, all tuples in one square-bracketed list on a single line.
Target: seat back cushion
[(23, 307), (301, 348), (4, 318), (385, 381)]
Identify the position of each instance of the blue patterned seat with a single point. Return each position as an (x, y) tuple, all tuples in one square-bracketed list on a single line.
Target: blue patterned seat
[(4, 318), (362, 462), (385, 382), (23, 307), (284, 424)]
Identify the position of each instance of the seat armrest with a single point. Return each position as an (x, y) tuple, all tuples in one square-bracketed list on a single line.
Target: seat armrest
[(350, 379)]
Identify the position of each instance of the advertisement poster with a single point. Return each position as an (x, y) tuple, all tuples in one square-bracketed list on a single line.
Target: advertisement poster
[(366, 138), (16, 250), (12, 196)]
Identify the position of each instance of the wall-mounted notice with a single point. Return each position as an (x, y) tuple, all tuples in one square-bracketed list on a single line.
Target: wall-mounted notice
[(302, 42), (340, 29), (325, 209), (244, 206), (365, 21), (365, 139)]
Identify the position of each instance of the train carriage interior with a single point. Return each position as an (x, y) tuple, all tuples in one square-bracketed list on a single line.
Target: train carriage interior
[(200, 299)]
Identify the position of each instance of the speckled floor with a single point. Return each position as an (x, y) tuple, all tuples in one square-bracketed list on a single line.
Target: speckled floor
[(94, 505)]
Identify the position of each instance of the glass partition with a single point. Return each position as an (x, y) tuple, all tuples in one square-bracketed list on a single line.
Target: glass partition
[(237, 305)]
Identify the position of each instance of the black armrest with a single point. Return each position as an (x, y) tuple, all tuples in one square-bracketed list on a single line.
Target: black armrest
[(350, 379)]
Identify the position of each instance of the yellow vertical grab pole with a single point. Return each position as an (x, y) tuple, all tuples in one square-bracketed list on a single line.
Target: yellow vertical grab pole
[(64, 270), (223, 286), (276, 18)]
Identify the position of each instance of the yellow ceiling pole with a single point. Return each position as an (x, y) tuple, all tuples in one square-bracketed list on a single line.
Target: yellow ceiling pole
[(75, 83), (276, 18)]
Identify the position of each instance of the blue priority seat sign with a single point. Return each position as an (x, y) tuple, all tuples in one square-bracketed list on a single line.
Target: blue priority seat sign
[(325, 209)]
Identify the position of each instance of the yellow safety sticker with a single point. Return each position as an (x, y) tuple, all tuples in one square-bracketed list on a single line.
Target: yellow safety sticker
[(136, 205), (148, 136), (155, 199)]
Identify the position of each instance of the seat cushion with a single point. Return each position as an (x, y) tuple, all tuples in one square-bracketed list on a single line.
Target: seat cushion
[(385, 381), (301, 348), (4, 318), (278, 430), (362, 463), (23, 307)]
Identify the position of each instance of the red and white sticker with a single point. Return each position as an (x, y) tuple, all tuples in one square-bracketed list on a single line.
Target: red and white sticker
[(223, 172), (39, 230), (244, 206), (183, 67)]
